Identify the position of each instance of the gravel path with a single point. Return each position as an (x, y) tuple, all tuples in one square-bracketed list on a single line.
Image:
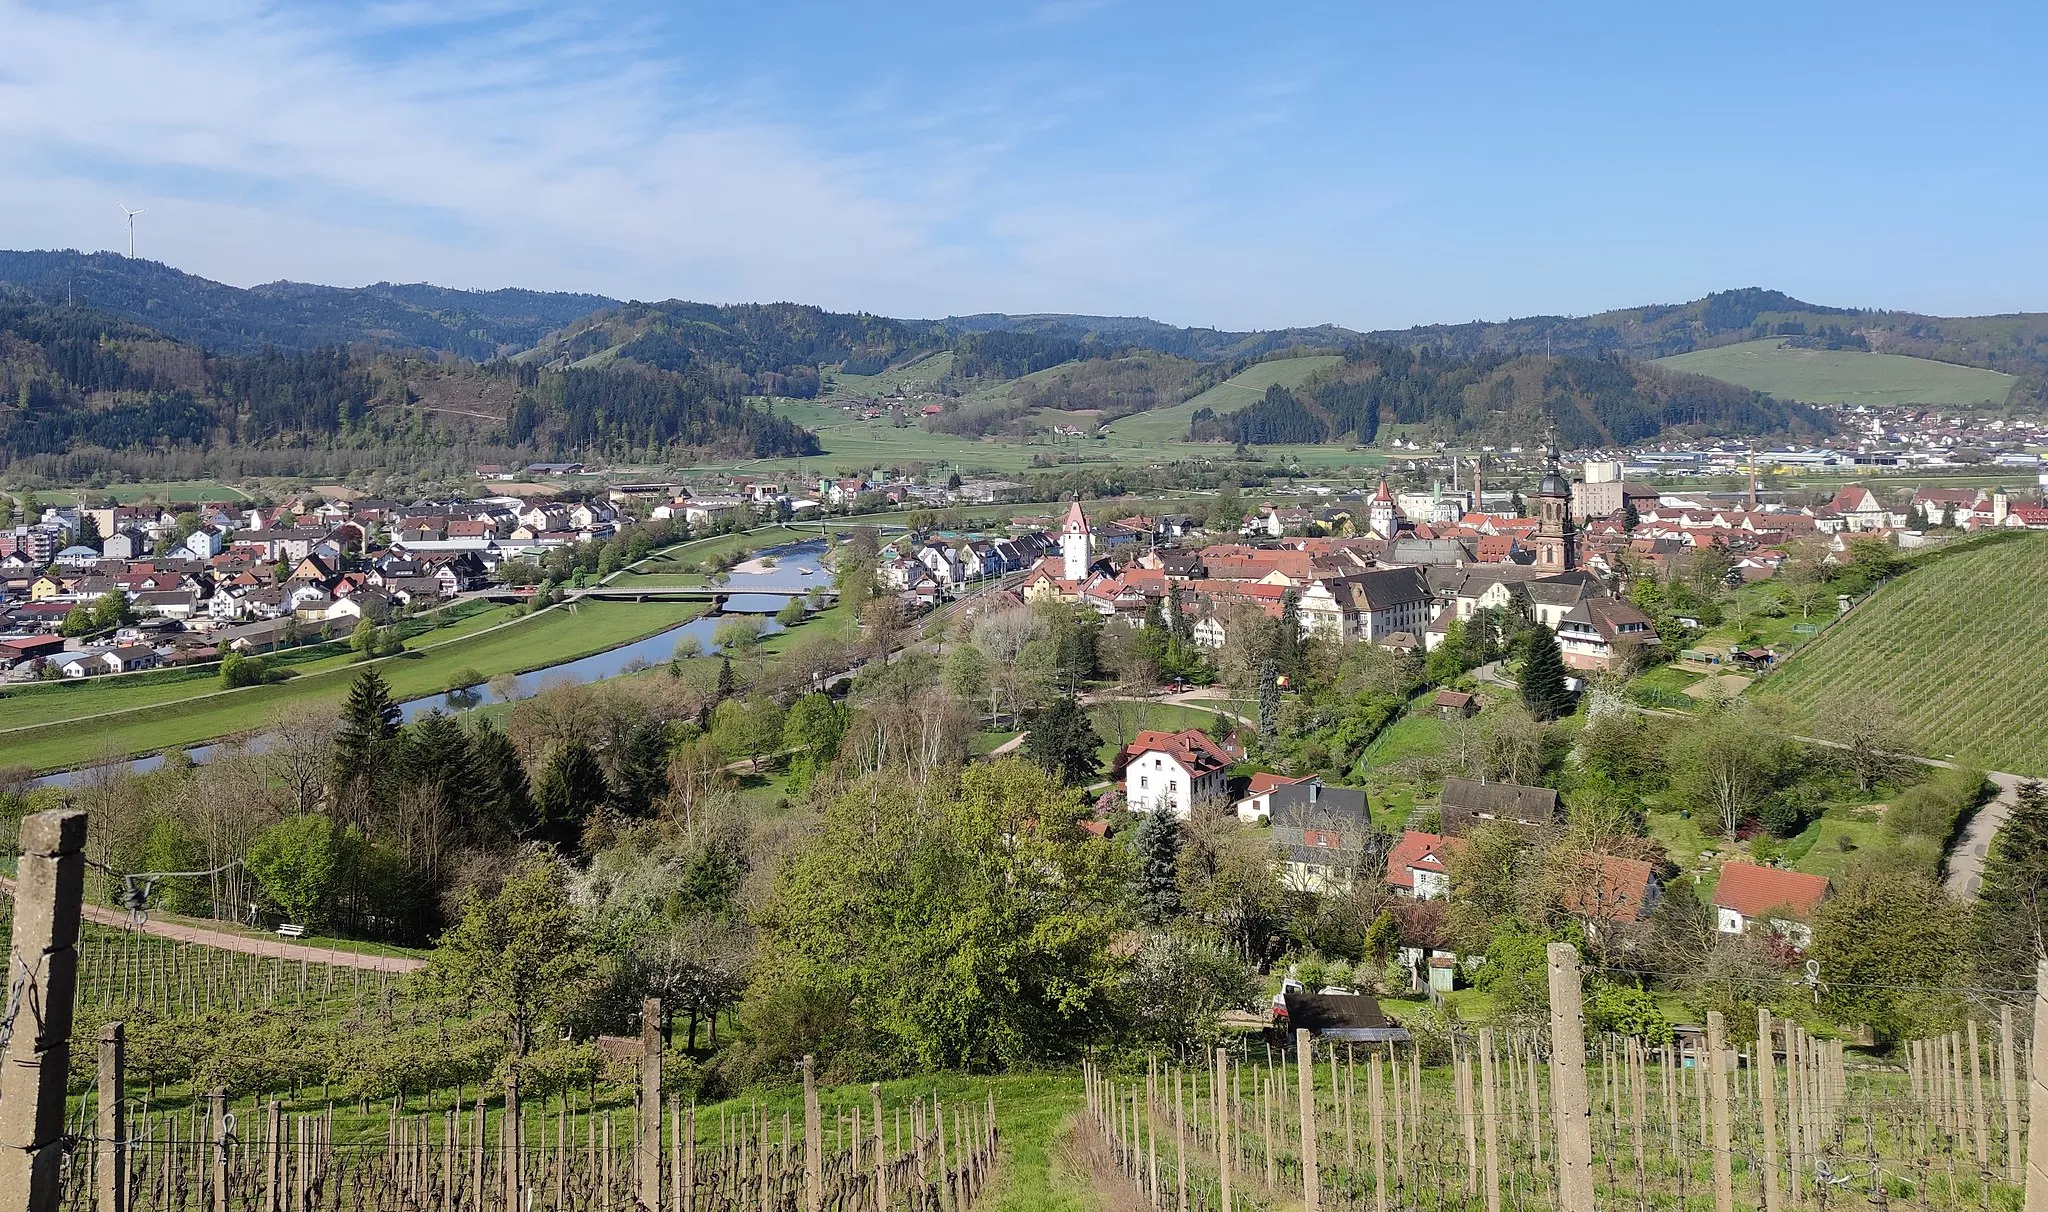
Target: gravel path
[(269, 948)]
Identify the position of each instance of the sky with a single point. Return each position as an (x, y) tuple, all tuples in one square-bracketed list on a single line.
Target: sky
[(1229, 165)]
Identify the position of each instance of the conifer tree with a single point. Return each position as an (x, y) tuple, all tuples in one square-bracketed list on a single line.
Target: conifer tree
[(1063, 741), (2011, 917), (1158, 882), (1542, 677)]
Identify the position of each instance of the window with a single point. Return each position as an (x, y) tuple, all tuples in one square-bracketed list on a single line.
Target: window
[(1176, 785), (1143, 782)]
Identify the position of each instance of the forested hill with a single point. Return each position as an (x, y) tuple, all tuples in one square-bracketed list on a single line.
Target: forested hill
[(1501, 399), (2016, 344), (92, 387), (292, 315), (1136, 332)]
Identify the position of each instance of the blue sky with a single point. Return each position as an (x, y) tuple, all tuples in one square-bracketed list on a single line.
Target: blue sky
[(1233, 165)]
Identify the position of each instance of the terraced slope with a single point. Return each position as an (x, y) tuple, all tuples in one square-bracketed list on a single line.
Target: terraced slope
[(1958, 648)]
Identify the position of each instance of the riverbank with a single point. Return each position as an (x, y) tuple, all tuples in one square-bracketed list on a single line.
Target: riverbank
[(534, 642)]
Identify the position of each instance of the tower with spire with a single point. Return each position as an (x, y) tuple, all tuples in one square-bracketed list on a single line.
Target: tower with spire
[(1379, 514), (1557, 538), (1074, 544)]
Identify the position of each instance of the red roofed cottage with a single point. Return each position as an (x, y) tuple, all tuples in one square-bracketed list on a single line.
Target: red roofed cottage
[(1748, 894)]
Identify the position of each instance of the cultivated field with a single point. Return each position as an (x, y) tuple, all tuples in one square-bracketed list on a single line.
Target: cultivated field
[(1955, 648), (1843, 376)]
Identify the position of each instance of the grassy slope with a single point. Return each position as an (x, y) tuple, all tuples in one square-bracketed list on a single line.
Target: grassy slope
[(1955, 648), (544, 639), (1845, 376), (1245, 387)]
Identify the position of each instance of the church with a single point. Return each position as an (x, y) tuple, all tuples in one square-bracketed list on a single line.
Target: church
[(1063, 577)]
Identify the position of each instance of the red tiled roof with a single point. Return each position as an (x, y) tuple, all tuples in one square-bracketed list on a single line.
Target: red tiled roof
[(1750, 890), (1420, 851), (1618, 894), (1265, 781), (1192, 748)]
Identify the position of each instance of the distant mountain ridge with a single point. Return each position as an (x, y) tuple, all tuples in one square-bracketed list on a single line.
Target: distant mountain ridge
[(793, 342), (294, 316)]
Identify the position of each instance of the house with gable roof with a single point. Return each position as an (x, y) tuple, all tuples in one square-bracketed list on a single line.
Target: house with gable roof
[(1783, 902), (1173, 771), (1419, 864)]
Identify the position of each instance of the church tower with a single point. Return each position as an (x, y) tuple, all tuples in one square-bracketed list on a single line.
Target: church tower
[(1557, 538), (1074, 543), (1380, 514)]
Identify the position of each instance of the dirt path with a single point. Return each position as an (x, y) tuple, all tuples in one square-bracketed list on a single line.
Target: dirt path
[(268, 948)]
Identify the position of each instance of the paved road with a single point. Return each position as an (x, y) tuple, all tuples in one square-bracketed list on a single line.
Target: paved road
[(267, 947), (1965, 867)]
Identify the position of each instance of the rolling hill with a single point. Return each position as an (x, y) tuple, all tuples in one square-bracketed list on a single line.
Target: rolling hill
[(1843, 376), (1241, 389), (1953, 648), (2016, 344), (292, 316)]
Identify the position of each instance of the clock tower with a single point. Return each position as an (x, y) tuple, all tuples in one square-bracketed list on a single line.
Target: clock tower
[(1557, 538)]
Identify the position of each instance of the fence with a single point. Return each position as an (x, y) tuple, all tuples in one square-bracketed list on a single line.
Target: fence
[(1547, 1120)]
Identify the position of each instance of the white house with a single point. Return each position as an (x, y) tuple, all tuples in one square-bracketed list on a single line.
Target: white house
[(1173, 771), (1419, 864), (1783, 900)]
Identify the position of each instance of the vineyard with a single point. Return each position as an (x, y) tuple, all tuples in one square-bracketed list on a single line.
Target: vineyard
[(1541, 1120), (1953, 648)]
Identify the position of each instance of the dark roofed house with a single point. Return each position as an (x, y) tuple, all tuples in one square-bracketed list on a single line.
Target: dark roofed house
[(1455, 704), (1321, 833), (1469, 803), (1351, 1018)]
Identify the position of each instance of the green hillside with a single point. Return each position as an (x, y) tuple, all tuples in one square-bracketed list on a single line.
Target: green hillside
[(1843, 376), (1954, 647), (1245, 387)]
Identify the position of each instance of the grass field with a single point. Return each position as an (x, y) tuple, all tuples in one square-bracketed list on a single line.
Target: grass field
[(922, 373), (1165, 425), (531, 643), (1955, 648), (1843, 376), (51, 702)]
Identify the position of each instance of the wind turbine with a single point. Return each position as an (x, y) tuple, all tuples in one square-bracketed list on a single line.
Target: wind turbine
[(131, 227)]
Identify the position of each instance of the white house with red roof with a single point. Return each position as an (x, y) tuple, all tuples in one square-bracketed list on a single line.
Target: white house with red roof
[(1783, 901), (1419, 864), (1257, 804), (1859, 509), (1173, 771)]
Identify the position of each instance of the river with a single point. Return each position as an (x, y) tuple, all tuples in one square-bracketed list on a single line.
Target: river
[(797, 571)]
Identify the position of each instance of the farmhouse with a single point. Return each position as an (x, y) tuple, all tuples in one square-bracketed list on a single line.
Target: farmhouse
[(1783, 900)]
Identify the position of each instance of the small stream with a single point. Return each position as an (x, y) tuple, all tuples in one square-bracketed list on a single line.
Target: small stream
[(797, 570)]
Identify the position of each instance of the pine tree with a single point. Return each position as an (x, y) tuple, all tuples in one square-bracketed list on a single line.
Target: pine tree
[(572, 786), (1269, 700), (1062, 740), (727, 683), (1542, 677), (1630, 518), (2011, 917), (1157, 885)]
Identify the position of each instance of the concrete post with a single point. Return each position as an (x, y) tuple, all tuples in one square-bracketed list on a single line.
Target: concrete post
[(111, 1173), (814, 1142), (2008, 1064), (1717, 1093), (2037, 1099), (1311, 1182), (42, 969), (1574, 1116), (649, 1138)]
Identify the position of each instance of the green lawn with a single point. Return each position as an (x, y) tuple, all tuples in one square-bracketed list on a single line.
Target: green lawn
[(1831, 843), (1843, 376), (49, 703), (1954, 647), (533, 642), (1164, 425), (172, 492), (1119, 723)]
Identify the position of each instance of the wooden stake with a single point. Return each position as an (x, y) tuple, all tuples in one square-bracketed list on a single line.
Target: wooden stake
[(111, 1170), (1376, 1091), (1767, 1102), (1311, 1183), (1223, 1138)]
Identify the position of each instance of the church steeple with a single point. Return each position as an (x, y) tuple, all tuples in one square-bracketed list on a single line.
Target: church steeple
[(1556, 539), (1074, 543)]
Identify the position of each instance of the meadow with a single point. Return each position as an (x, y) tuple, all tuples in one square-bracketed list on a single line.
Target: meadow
[(1843, 376), (1954, 648), (559, 634)]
